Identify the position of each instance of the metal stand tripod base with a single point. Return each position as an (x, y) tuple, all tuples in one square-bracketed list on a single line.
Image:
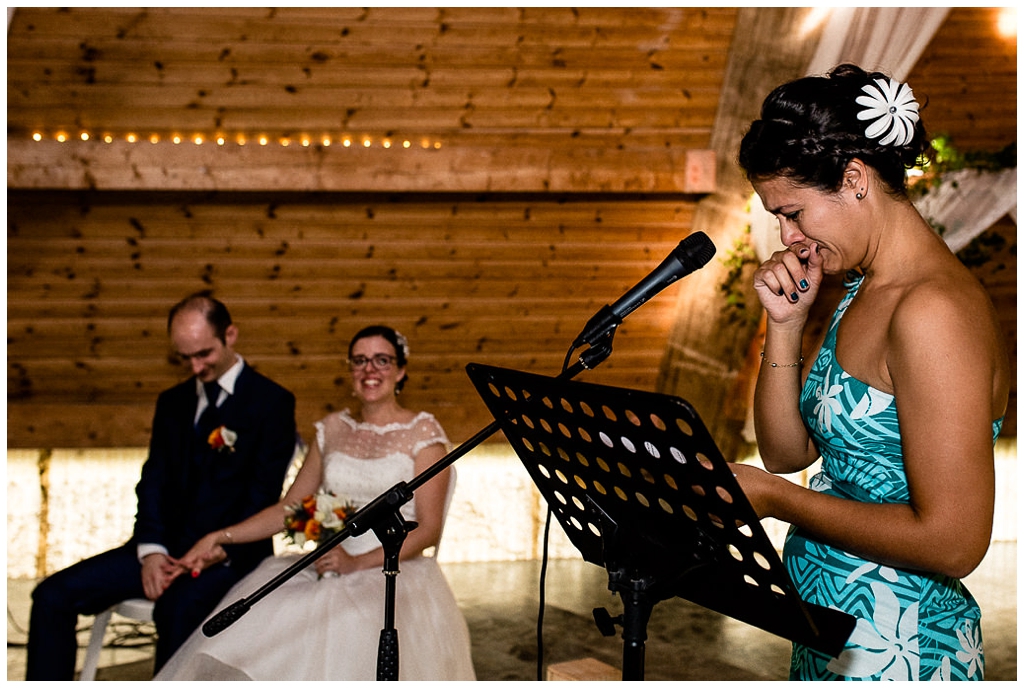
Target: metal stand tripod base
[(391, 532)]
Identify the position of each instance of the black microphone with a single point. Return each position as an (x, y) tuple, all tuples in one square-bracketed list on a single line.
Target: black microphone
[(691, 254)]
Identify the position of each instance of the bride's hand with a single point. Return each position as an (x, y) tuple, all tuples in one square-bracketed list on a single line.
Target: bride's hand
[(337, 562), (203, 554)]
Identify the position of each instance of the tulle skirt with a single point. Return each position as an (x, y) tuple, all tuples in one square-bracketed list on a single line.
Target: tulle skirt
[(312, 629)]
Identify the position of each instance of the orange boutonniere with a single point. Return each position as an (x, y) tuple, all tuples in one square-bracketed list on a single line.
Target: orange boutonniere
[(222, 439)]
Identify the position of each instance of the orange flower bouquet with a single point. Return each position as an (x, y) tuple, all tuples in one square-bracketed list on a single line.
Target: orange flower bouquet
[(316, 518)]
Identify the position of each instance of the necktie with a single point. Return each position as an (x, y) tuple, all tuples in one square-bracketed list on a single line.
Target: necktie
[(208, 420)]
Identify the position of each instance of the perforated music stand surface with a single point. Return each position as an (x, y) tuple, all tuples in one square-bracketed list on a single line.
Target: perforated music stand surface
[(635, 480)]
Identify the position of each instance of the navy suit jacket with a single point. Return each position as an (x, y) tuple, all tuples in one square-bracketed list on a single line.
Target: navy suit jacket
[(189, 489)]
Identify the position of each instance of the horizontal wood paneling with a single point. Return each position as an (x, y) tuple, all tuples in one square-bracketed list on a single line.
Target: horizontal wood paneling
[(508, 281), (571, 144), (531, 167), (968, 74), (527, 99)]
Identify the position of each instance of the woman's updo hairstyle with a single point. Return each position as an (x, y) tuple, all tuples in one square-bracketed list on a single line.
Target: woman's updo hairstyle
[(809, 131), (394, 338)]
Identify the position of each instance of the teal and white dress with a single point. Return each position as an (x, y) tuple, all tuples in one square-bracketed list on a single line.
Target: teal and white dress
[(911, 625)]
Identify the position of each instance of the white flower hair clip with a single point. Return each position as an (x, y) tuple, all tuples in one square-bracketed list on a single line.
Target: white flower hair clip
[(894, 110), (402, 342)]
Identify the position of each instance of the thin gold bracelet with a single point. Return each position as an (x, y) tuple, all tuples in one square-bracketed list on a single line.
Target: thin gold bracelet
[(229, 536), (784, 365)]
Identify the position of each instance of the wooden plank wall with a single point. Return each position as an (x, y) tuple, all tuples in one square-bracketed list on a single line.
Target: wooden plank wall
[(496, 99), (516, 212), (508, 281), (294, 70), (968, 76), (556, 155)]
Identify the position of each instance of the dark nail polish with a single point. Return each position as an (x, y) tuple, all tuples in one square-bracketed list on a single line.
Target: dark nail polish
[(794, 296), (781, 292), (803, 284)]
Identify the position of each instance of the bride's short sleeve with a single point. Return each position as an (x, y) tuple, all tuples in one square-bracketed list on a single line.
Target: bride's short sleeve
[(319, 426), (427, 432)]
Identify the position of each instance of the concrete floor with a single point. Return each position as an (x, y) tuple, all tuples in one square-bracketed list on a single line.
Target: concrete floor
[(499, 599)]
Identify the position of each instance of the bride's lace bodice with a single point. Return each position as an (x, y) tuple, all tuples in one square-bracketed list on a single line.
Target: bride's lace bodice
[(361, 461)]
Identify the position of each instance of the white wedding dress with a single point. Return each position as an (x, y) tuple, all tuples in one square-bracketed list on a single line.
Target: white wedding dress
[(317, 630)]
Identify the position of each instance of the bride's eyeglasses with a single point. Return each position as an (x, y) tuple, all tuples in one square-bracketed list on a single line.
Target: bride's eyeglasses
[(380, 362)]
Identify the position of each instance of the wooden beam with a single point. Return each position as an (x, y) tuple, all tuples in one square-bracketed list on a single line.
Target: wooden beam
[(451, 167)]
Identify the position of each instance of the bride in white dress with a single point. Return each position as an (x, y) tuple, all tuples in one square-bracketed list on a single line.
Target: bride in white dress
[(324, 623)]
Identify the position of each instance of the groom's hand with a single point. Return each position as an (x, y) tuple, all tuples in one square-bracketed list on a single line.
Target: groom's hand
[(158, 572)]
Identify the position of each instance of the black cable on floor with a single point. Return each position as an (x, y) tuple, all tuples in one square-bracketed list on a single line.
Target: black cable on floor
[(540, 612)]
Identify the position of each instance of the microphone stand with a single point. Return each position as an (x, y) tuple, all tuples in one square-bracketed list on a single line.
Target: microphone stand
[(382, 516)]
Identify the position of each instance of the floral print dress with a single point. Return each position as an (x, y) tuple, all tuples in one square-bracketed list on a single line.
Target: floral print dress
[(910, 625)]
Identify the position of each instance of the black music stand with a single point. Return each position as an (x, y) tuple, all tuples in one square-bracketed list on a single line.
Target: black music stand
[(640, 488)]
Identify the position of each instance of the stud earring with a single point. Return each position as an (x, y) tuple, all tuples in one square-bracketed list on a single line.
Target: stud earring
[(860, 194)]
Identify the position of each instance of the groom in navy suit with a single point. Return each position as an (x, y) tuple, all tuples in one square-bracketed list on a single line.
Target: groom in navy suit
[(221, 444)]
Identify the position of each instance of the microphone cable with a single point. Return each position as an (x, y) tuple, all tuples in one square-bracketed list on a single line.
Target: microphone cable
[(540, 612)]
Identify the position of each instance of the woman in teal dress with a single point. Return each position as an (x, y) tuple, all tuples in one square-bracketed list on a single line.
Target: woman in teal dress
[(902, 400)]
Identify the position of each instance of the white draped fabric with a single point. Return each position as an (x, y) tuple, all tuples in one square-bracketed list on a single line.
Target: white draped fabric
[(968, 202), (887, 39)]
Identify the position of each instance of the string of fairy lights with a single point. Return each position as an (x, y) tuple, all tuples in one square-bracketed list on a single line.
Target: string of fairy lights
[(238, 139)]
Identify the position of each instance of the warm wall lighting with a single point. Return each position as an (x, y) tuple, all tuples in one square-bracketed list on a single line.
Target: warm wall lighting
[(36, 136), (84, 136), (197, 139), (817, 17), (154, 138), (1007, 22), (61, 136), (175, 139)]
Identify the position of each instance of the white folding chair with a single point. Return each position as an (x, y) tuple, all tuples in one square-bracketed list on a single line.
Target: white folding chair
[(444, 515), (137, 608)]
